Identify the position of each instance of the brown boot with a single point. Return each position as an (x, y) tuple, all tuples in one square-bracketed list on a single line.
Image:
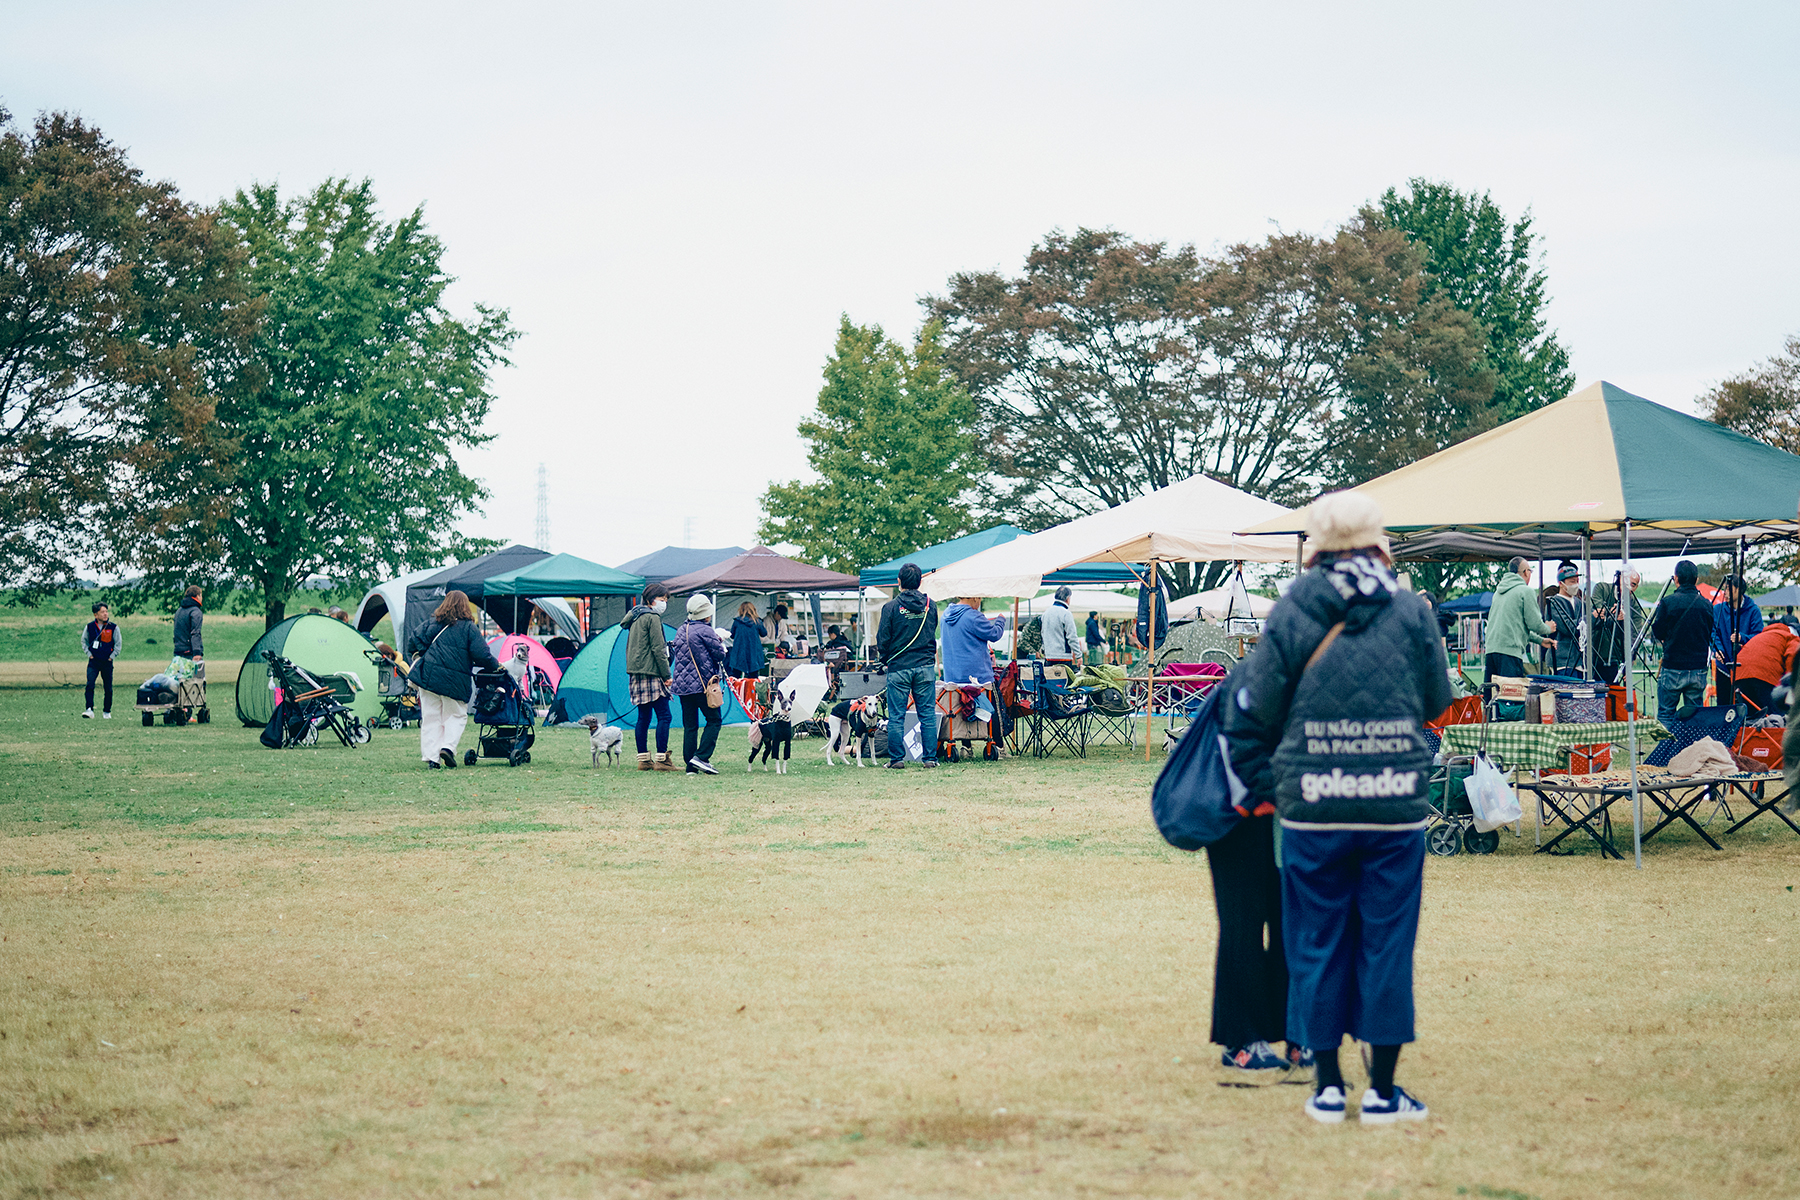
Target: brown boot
[(663, 763), (643, 762)]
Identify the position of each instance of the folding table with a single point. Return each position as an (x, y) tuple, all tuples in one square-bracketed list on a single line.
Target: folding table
[(1585, 801)]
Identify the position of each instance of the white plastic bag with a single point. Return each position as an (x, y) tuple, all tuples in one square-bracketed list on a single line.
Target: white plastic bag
[(1491, 798)]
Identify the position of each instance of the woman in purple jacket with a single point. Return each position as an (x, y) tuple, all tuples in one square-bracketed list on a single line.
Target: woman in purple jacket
[(696, 657)]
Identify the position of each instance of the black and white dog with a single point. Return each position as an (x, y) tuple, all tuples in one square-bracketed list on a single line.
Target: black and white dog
[(853, 726), (773, 736)]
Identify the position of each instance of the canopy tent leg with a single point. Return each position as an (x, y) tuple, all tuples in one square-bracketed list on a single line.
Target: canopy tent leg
[(1150, 692), (1587, 606), (1631, 737)]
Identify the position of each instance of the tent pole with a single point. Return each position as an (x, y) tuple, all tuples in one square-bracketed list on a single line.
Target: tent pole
[(1631, 736), (1587, 605), (1150, 692)]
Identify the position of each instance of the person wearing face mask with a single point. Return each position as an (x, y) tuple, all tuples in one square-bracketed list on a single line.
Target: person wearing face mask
[(647, 666)]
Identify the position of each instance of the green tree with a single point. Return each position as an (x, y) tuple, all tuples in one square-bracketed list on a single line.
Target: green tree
[(1112, 368), (343, 446), (1486, 266), (122, 316), (891, 444), (1764, 403)]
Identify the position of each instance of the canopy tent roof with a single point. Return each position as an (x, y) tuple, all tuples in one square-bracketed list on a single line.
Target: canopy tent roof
[(1190, 521), (564, 575), (760, 569), (470, 578), (1219, 603), (390, 598), (659, 566), (1781, 597), (1477, 602), (931, 558), (1585, 464), (1082, 601)]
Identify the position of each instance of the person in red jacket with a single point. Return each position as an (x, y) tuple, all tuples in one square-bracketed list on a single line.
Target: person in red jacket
[(1764, 659)]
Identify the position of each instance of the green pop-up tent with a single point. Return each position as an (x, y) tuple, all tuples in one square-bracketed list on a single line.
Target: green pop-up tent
[(319, 644)]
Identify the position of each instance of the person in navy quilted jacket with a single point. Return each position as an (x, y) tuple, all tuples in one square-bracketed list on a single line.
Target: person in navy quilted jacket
[(1327, 725)]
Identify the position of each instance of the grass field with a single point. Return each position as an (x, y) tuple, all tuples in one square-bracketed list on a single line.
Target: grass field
[(41, 646), (235, 972)]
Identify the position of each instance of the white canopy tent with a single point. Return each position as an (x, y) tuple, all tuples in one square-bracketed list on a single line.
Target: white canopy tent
[(1082, 601), (1190, 521), (1233, 600)]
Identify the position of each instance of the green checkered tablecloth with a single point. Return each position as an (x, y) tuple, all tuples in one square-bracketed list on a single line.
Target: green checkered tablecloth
[(1523, 745)]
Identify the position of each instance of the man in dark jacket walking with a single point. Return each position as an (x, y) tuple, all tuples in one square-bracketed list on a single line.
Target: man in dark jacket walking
[(1327, 725), (101, 641), (1683, 623), (189, 664), (906, 640)]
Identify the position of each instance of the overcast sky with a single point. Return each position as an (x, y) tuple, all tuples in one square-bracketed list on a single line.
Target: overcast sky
[(677, 201)]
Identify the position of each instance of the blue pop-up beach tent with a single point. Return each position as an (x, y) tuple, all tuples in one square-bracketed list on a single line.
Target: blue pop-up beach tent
[(595, 682)]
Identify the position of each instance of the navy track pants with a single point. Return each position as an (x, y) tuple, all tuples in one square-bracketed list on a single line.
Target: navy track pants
[(1350, 917)]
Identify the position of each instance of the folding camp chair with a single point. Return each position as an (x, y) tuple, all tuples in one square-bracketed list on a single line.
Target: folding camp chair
[(1058, 719)]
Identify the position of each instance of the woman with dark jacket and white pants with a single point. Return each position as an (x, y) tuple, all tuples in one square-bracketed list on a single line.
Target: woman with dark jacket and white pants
[(445, 654), (1326, 723), (696, 658)]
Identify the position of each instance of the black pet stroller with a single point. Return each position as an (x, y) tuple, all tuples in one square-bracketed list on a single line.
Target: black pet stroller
[(504, 717), (307, 706)]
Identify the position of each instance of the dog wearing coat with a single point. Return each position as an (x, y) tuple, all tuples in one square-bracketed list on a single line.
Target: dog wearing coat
[(773, 736), (604, 739), (852, 726)]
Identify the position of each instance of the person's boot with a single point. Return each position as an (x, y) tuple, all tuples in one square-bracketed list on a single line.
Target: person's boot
[(643, 761), (663, 762)]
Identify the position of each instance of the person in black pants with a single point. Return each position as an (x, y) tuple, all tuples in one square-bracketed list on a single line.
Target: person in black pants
[(1250, 976), (697, 658), (101, 641)]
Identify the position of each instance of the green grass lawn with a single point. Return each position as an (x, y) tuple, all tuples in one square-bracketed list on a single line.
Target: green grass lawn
[(41, 645), (239, 972)]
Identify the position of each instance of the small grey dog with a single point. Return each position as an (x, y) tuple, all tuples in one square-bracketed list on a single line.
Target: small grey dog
[(605, 739)]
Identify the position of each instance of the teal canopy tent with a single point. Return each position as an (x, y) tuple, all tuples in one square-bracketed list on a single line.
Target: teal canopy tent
[(929, 559)]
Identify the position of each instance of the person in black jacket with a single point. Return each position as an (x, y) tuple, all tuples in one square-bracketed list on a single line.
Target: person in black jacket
[(1683, 623), (1326, 725), (906, 640), (101, 641), (445, 654)]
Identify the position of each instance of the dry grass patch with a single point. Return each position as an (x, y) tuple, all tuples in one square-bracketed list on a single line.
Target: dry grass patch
[(561, 981)]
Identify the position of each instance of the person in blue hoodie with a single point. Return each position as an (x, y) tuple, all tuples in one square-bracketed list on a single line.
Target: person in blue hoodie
[(968, 638)]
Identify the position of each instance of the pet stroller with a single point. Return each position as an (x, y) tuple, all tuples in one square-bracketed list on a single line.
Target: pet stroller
[(399, 704), (307, 706), (1451, 824), (503, 719)]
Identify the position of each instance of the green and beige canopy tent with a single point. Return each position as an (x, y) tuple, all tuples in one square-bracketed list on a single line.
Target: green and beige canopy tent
[(1602, 470)]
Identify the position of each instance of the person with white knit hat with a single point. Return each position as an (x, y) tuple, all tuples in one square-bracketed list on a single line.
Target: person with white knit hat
[(1325, 722), (697, 658)]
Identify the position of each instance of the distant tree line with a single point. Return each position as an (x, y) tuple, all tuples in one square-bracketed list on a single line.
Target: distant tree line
[(1109, 368), (251, 392)]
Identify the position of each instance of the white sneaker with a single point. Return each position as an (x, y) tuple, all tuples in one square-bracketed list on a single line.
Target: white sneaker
[(88, 715), (1376, 1111), (106, 716), (1326, 1106)]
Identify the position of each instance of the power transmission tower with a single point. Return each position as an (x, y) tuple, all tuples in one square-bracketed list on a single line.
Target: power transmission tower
[(543, 514)]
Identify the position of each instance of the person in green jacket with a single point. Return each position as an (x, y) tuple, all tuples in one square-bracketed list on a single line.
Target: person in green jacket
[(1514, 623), (647, 669)]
